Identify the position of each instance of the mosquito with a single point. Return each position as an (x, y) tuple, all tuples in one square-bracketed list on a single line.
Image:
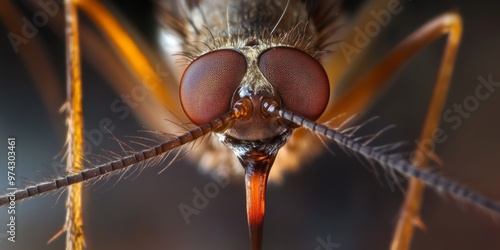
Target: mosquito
[(255, 116)]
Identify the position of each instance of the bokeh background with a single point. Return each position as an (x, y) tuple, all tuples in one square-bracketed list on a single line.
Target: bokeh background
[(332, 197)]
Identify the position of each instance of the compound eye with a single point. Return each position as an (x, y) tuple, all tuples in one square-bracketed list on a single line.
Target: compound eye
[(209, 82), (299, 79)]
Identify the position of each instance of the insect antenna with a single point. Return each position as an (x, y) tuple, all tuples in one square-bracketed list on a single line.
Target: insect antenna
[(124, 162), (391, 161)]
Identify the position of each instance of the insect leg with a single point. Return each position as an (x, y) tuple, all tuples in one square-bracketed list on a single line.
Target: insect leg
[(75, 141), (366, 87)]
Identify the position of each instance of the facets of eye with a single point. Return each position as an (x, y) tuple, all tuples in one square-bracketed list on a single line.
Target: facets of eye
[(300, 80), (208, 84)]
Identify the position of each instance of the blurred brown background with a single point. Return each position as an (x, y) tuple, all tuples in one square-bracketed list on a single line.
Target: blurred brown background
[(333, 196)]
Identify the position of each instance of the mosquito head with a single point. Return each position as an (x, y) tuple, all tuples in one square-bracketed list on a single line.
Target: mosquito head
[(250, 80), (245, 77)]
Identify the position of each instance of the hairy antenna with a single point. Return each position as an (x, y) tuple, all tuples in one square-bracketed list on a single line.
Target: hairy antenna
[(122, 163), (392, 161)]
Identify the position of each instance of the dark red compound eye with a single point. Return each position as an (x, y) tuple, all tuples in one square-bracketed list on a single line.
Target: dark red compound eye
[(300, 80), (208, 84)]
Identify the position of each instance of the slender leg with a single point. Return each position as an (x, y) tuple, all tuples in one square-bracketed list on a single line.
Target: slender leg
[(362, 93), (74, 222), (451, 24), (151, 80)]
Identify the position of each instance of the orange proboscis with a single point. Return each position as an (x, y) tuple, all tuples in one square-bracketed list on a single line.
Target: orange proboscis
[(256, 175)]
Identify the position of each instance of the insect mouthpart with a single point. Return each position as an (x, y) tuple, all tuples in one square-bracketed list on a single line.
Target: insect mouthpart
[(255, 137)]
